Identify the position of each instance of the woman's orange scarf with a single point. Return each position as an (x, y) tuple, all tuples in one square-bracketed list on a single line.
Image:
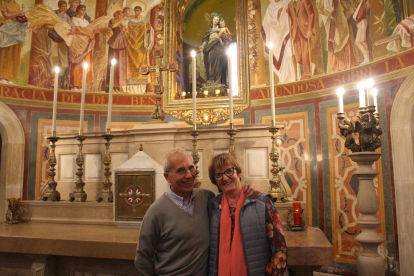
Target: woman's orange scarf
[(231, 253)]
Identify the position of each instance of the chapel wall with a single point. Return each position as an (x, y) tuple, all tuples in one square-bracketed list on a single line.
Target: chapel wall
[(317, 170)]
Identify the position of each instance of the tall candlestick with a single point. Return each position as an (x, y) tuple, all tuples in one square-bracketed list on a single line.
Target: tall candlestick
[(111, 88), (85, 68), (193, 57), (340, 92), (361, 88), (272, 84), (229, 59), (55, 96), (370, 84), (374, 92)]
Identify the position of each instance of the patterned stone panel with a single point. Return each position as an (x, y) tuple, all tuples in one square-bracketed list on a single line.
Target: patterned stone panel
[(295, 156), (257, 163), (92, 167), (67, 168)]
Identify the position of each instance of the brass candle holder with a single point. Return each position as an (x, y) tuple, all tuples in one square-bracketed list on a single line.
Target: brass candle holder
[(78, 193), (13, 211), (50, 193), (106, 193), (276, 190), (232, 132), (196, 156)]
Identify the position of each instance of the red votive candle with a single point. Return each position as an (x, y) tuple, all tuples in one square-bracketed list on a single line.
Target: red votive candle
[(297, 208)]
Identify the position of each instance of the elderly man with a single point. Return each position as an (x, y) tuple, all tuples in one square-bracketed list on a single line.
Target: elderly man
[(174, 236)]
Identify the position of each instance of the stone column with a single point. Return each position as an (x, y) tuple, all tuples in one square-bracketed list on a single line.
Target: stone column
[(369, 263)]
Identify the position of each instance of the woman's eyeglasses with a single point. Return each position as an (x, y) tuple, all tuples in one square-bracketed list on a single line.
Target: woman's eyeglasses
[(229, 172)]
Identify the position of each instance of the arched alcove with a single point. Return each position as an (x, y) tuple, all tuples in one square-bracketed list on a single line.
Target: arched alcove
[(402, 128), (12, 157)]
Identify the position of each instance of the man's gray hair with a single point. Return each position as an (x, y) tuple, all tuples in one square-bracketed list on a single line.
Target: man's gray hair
[(166, 163)]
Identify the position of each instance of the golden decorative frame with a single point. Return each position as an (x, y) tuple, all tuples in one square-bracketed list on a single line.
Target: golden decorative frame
[(209, 110)]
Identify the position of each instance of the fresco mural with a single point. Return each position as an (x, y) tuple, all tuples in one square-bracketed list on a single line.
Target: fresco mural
[(315, 38), (66, 34), (311, 38)]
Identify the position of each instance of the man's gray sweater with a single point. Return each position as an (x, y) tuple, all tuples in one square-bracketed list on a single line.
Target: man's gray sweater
[(172, 241)]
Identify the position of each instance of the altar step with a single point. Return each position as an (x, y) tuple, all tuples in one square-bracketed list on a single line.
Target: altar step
[(93, 213), (88, 213)]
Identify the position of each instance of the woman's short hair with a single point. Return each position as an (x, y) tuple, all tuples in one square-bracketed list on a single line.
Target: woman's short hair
[(138, 8), (80, 7), (219, 161), (126, 8)]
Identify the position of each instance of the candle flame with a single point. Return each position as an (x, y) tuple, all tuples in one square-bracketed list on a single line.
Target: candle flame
[(340, 91), (57, 70), (193, 54), (369, 83), (113, 62), (361, 86), (374, 92), (85, 65), (270, 45)]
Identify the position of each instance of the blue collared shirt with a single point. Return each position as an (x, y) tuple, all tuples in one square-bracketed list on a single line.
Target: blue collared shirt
[(181, 202)]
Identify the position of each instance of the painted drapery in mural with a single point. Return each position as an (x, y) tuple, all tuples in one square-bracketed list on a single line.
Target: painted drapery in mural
[(67, 34), (321, 37)]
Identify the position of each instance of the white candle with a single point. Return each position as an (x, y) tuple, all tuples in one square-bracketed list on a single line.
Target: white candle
[(85, 68), (111, 88), (193, 58), (229, 58), (55, 96), (272, 84), (361, 88), (374, 92), (370, 84), (340, 92)]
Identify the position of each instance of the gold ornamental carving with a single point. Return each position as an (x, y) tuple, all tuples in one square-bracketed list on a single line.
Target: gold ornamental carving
[(206, 116)]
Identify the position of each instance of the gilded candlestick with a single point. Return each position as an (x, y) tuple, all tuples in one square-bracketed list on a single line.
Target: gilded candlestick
[(232, 132), (276, 189), (50, 193), (78, 193), (106, 193), (196, 156)]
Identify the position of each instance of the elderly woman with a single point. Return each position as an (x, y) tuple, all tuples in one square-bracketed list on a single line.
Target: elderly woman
[(246, 235)]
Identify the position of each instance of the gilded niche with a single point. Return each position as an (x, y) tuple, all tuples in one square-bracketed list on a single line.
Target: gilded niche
[(209, 28)]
